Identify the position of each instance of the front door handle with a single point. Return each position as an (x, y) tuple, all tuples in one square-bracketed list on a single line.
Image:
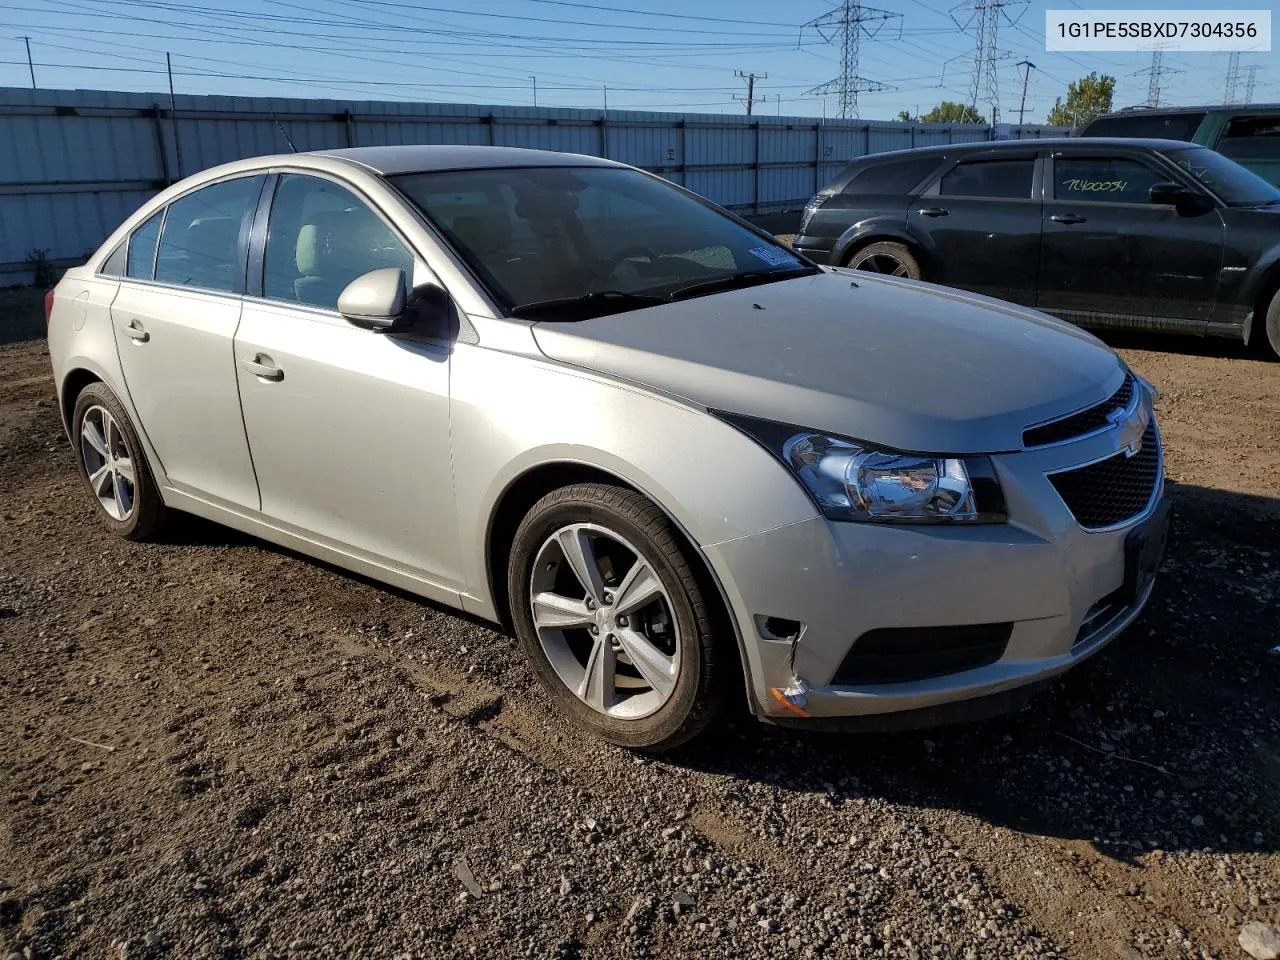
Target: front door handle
[(933, 211), (137, 332), (262, 367), (1067, 218)]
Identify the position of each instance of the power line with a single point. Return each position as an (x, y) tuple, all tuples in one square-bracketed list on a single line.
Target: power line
[(1026, 76), (850, 21)]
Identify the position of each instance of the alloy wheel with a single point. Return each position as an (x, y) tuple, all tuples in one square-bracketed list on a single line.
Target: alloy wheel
[(882, 263), (108, 462), (605, 621)]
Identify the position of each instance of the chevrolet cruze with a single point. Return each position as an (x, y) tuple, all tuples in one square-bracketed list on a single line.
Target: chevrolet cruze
[(678, 459)]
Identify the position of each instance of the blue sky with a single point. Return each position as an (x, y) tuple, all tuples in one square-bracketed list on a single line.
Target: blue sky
[(650, 54)]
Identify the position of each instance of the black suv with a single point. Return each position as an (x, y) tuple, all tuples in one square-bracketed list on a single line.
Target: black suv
[(1147, 234)]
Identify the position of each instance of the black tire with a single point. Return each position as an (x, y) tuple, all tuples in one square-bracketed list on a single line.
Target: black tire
[(699, 687), (148, 513), (875, 257)]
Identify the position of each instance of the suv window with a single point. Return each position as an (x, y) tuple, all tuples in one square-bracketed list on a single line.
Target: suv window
[(1164, 126), (998, 179), (321, 237), (141, 259), (1251, 138), (201, 240), (1104, 179), (891, 178)]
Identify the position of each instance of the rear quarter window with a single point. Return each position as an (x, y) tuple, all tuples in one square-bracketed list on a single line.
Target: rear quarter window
[(1165, 126), (897, 177), (1251, 138)]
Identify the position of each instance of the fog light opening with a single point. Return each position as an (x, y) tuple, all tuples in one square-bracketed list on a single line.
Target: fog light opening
[(779, 628)]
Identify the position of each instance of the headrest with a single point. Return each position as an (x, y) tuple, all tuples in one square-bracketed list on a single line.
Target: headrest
[(315, 240)]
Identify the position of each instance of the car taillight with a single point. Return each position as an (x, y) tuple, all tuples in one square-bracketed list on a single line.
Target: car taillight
[(811, 208), (48, 305)]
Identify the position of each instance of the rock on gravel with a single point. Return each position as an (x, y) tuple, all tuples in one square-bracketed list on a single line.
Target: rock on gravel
[(1260, 940)]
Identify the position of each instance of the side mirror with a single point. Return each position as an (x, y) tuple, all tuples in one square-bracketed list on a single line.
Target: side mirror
[(376, 300), (1178, 196)]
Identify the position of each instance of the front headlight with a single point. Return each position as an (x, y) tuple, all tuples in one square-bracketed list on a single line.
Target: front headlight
[(852, 481)]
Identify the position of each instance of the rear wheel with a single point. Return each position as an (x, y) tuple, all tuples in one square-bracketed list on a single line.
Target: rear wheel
[(1269, 334), (891, 259), (113, 467), (611, 616)]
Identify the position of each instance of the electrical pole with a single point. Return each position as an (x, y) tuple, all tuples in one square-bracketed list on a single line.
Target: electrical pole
[(850, 22), (535, 90), (1022, 107), (30, 66), (173, 116), (751, 79), (1156, 73), (984, 85), (1252, 70), (1233, 77)]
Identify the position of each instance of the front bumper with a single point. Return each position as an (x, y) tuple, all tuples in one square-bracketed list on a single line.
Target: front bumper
[(1041, 573)]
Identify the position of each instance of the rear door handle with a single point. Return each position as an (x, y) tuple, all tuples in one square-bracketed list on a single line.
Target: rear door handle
[(137, 332), (1067, 218), (932, 212), (262, 367)]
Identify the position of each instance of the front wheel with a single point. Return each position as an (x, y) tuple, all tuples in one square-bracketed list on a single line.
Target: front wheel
[(611, 616), (892, 259), (1270, 332)]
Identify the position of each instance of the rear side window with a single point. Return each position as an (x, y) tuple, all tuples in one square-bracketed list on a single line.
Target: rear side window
[(200, 246), (994, 179), (142, 248), (1251, 138), (891, 178), (1164, 126), (1104, 179)]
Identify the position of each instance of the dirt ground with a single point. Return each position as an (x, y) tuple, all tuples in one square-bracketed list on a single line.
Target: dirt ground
[(215, 748)]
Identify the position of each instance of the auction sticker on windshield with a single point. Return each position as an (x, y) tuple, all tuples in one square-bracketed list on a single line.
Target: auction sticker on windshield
[(774, 256)]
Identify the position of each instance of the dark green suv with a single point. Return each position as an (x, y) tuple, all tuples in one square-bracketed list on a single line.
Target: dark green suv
[(1247, 133)]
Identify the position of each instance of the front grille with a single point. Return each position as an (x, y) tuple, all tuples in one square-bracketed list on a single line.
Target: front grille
[(1079, 424), (1114, 490), (904, 654)]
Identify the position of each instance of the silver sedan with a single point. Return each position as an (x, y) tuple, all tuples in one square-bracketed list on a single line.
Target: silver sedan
[(678, 459)]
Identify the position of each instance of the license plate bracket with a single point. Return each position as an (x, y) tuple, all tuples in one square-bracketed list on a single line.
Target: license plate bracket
[(1144, 550)]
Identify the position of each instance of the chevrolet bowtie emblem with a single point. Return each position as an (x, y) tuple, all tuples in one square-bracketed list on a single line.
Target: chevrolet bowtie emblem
[(1130, 425)]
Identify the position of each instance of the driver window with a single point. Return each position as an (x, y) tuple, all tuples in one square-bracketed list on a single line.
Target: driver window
[(320, 238)]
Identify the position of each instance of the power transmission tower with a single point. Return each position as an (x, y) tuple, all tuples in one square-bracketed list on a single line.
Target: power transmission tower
[(1252, 70), (1233, 76), (850, 22), (1156, 73), (1026, 75), (751, 79), (984, 18)]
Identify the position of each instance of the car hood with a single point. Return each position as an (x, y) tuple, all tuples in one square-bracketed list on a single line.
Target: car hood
[(895, 363)]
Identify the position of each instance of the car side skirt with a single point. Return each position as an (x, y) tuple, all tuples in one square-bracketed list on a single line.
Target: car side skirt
[(1125, 321)]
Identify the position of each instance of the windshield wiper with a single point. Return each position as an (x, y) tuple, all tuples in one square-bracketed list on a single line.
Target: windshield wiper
[(749, 278), (608, 299)]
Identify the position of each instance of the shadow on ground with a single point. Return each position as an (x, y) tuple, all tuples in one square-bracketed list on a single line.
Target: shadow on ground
[(1168, 739)]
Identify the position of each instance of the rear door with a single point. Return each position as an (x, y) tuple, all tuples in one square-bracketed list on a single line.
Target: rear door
[(1111, 256), (174, 320), (979, 225)]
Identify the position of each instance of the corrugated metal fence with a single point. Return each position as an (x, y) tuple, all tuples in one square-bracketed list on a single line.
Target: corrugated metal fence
[(74, 163)]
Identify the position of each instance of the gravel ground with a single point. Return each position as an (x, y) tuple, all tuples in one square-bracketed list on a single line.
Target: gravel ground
[(215, 748)]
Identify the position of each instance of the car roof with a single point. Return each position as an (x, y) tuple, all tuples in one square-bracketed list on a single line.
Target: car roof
[(423, 158), (1015, 146), (1174, 111)]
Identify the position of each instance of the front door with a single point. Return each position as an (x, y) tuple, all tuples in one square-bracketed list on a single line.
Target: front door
[(1112, 257), (981, 228), (349, 428), (174, 320)]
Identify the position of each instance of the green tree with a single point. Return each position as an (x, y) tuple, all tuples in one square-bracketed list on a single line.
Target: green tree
[(905, 117), (949, 112), (1087, 98)]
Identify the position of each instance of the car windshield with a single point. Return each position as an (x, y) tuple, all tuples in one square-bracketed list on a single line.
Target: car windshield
[(1236, 186), (574, 242)]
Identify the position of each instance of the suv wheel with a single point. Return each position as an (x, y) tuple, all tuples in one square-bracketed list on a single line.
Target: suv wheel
[(610, 614), (892, 259)]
